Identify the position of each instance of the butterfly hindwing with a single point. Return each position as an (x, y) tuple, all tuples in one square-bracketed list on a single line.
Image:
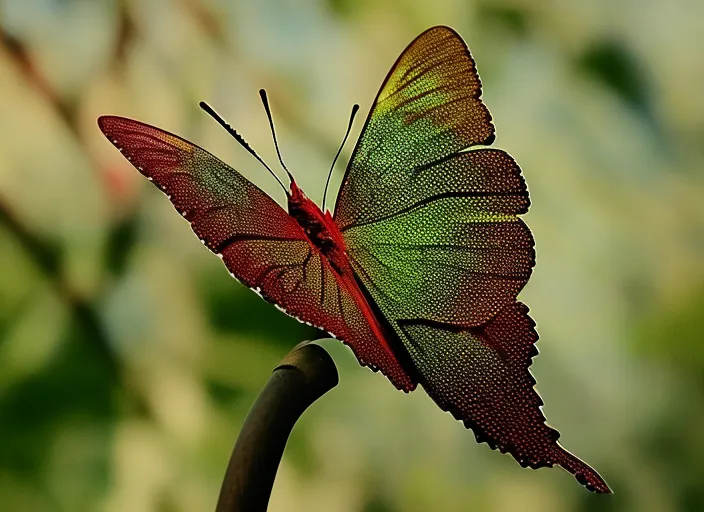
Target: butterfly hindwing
[(481, 376), (261, 244)]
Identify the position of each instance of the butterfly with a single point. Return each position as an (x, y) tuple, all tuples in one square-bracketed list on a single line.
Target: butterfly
[(419, 267)]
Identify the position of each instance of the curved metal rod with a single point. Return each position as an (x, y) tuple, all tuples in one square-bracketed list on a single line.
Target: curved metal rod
[(304, 375)]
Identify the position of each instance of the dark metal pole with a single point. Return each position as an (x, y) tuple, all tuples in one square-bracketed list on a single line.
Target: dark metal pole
[(305, 374)]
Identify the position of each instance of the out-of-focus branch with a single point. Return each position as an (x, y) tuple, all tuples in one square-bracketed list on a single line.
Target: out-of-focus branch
[(209, 21), (47, 259), (46, 256), (22, 58), (305, 374)]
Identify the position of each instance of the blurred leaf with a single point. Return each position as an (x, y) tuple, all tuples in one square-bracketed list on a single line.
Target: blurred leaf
[(675, 334), (377, 504), (120, 244), (345, 7), (223, 395), (616, 67), (301, 454), (46, 254), (76, 386), (512, 18), (675, 445), (232, 308)]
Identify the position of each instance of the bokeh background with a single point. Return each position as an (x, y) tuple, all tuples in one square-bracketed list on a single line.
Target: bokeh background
[(129, 358)]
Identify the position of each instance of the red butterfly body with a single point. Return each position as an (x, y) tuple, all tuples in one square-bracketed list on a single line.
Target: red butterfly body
[(325, 237), (418, 269)]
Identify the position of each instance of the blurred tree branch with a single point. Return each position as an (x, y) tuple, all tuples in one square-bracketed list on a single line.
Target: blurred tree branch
[(33, 75), (304, 375), (46, 255), (47, 259)]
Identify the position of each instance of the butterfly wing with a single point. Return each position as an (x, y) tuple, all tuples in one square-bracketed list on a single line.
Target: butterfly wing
[(481, 376), (456, 252), (432, 231), (428, 108), (409, 171), (260, 244)]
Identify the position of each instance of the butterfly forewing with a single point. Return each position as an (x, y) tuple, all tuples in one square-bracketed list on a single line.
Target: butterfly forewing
[(432, 231), (427, 109), (261, 244)]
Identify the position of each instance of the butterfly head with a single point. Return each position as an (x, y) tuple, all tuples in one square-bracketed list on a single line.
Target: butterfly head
[(296, 196)]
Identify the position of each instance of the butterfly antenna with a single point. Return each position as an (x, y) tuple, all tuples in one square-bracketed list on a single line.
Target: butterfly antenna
[(265, 102), (209, 110), (355, 108)]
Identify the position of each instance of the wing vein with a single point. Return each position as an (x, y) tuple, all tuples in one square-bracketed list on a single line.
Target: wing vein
[(436, 197), (239, 237)]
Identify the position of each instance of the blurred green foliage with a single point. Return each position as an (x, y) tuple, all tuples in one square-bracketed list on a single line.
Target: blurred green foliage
[(129, 358)]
